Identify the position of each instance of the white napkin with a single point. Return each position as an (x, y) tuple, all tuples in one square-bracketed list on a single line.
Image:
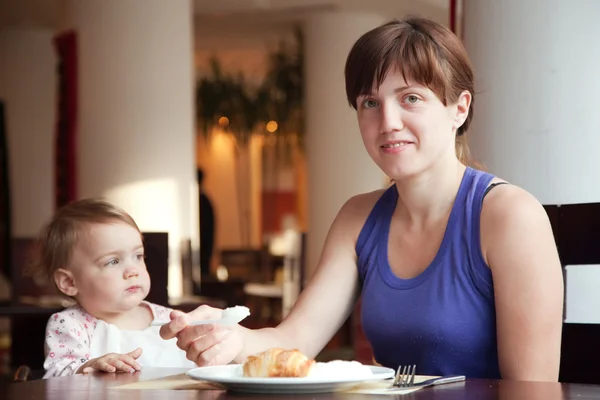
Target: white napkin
[(380, 388), (383, 387), (230, 316)]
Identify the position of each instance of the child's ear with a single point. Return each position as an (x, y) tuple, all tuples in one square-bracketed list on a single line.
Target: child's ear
[(64, 282)]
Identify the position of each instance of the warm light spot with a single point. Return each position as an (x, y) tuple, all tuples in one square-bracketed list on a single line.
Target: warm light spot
[(271, 126), (220, 144), (223, 121), (222, 273)]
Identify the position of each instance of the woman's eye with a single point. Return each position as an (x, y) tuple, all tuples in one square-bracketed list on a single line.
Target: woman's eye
[(411, 99), (370, 103), (139, 256)]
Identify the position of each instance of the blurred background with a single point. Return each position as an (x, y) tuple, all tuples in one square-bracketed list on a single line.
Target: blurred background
[(222, 127)]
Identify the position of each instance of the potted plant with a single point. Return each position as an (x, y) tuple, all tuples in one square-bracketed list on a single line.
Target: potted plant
[(242, 110)]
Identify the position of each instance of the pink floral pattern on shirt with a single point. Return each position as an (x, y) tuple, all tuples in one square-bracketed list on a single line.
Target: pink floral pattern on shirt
[(69, 335)]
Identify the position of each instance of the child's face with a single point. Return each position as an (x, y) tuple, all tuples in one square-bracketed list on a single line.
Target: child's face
[(108, 269)]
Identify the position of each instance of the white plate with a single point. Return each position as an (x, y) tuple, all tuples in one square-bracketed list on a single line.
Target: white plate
[(230, 377)]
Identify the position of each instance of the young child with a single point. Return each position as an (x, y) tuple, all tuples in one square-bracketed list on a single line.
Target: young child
[(93, 251)]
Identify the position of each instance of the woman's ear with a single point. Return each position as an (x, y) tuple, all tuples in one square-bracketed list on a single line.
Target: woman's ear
[(463, 106), (65, 282)]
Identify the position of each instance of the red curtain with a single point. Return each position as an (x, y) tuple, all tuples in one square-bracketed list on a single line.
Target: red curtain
[(457, 25), (453, 16), (65, 141)]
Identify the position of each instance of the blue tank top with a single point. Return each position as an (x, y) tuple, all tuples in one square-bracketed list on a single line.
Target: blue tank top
[(444, 319)]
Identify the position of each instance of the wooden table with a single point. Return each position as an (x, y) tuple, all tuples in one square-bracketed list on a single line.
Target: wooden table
[(97, 386)]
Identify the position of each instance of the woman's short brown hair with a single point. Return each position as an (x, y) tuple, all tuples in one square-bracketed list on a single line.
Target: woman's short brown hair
[(423, 51), (58, 238)]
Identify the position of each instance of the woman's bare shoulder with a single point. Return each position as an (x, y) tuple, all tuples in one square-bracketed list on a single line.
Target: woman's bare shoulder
[(511, 212), (362, 204), (356, 210)]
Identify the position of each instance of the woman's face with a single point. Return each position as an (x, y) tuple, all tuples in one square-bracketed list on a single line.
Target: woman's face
[(406, 128)]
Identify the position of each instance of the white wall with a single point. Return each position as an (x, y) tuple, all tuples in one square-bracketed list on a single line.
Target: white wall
[(136, 143), (536, 120)]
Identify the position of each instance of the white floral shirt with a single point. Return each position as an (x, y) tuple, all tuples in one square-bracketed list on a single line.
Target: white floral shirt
[(72, 337)]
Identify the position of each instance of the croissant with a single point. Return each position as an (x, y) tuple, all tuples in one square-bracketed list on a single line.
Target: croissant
[(278, 362)]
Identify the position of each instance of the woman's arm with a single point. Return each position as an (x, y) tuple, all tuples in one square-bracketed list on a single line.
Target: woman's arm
[(319, 312), (518, 245)]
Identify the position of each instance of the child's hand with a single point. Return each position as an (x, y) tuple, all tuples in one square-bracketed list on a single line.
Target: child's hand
[(113, 362)]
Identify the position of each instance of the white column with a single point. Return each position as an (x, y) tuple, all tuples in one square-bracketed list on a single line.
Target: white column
[(136, 113), (536, 119), (338, 164), (28, 89)]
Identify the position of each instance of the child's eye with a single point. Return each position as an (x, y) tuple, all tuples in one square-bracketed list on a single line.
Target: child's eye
[(140, 256), (113, 261)]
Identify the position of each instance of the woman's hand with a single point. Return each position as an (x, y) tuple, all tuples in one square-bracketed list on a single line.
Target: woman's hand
[(211, 344), (113, 362)]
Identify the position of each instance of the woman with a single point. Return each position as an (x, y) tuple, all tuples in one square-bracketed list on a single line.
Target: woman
[(458, 271)]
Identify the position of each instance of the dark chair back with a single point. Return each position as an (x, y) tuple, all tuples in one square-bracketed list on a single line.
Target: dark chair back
[(156, 248)]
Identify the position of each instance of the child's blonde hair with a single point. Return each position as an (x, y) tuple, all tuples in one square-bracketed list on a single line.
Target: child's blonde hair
[(58, 238)]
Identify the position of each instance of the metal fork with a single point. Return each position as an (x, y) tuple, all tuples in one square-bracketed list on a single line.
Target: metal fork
[(405, 378)]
